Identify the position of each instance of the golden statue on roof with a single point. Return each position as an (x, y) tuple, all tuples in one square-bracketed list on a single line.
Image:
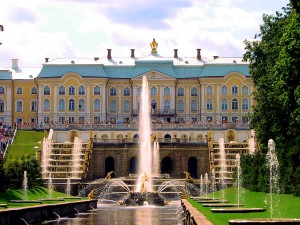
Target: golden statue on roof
[(154, 46)]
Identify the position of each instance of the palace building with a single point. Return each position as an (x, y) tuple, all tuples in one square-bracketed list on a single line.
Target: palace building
[(190, 96)]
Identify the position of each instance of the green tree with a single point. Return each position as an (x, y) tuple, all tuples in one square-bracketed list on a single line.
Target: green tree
[(2, 177), (274, 66), (31, 165)]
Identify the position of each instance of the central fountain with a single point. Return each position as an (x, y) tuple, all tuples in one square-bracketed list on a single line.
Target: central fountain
[(144, 193)]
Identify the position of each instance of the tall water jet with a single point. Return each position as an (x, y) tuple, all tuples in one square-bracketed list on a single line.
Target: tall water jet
[(156, 158), (213, 182), (274, 173), (25, 184), (251, 142), (68, 188), (223, 169), (145, 155), (206, 184), (50, 185), (76, 157), (201, 185), (238, 178)]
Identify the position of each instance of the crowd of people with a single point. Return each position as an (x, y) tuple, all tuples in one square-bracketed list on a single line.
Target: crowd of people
[(6, 136)]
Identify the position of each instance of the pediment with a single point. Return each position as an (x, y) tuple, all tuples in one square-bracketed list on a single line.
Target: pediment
[(154, 75)]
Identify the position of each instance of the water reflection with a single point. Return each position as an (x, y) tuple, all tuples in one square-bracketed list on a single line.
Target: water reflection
[(121, 215)]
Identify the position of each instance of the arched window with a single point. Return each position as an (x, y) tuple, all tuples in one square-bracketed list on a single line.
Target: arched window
[(97, 105), (34, 90), (180, 92), (33, 106), (245, 104), (113, 106), (224, 90), (224, 104), (126, 91), (167, 91), (81, 90), (19, 105), (2, 106), (96, 90), (235, 104), (47, 105), (234, 89), (166, 104), (71, 104), (153, 91), (113, 92), (209, 104), (209, 90), (71, 90), (194, 106), (47, 90), (194, 91), (126, 106), (2, 91), (180, 106), (61, 105), (245, 90), (81, 105), (19, 91), (61, 90)]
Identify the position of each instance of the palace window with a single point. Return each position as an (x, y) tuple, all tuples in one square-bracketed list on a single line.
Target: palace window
[(166, 105), (180, 106), (61, 119), (61, 105), (234, 119), (224, 90), (167, 91), (126, 91), (209, 90), (19, 91), (47, 105), (245, 119), (47, 119), (113, 106), (81, 119), (180, 92), (19, 107), (97, 119), (245, 90), (96, 105), (1, 105), (209, 119), (194, 105), (224, 119), (61, 90), (72, 90), (96, 90), (194, 91), (81, 105), (81, 90), (33, 106), (34, 90), (209, 104), (47, 90), (234, 90), (224, 104), (71, 119), (153, 91), (113, 92), (235, 104), (71, 105), (2, 91), (126, 106), (245, 104)]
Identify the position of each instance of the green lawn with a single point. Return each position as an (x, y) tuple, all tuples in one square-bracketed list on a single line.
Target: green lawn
[(285, 206), (36, 193), (24, 143)]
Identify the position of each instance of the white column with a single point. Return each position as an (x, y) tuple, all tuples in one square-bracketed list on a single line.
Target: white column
[(119, 95), (88, 105), (134, 102), (161, 96), (55, 103), (218, 112), (187, 99), (202, 104)]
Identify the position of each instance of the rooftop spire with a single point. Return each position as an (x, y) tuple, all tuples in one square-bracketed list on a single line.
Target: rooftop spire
[(153, 46)]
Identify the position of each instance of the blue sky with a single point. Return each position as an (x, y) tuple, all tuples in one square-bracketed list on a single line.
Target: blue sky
[(35, 30)]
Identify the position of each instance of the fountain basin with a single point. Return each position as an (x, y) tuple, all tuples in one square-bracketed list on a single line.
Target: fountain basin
[(259, 221), (221, 205), (139, 199), (237, 210)]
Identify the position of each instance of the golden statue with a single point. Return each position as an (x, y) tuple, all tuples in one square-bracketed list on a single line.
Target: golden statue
[(145, 178), (91, 195), (154, 46), (108, 176), (187, 175)]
